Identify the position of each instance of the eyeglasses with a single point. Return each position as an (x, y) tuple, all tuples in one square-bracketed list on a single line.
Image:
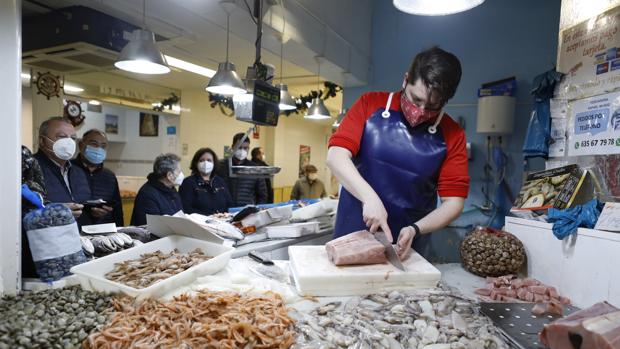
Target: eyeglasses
[(417, 101)]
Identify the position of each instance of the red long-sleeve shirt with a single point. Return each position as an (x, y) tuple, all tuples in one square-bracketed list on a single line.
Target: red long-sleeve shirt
[(453, 174)]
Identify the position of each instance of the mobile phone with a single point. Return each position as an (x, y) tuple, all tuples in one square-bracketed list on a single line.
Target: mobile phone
[(95, 203)]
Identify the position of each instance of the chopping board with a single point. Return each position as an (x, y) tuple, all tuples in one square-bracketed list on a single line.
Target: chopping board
[(315, 275)]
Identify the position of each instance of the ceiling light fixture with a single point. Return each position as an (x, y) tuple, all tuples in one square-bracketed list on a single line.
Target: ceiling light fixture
[(317, 110), (434, 7), (141, 54), (226, 81), (72, 88), (287, 102), (190, 67), (339, 118)]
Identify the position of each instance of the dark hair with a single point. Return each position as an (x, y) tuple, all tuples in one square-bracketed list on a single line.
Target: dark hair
[(255, 152), (45, 125), (238, 136), (165, 163), (440, 72), (310, 169), (199, 153)]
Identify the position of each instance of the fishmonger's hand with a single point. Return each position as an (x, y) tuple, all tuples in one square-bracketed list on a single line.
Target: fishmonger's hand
[(375, 217)]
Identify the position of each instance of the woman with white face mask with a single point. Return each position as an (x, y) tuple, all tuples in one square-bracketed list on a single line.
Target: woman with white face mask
[(158, 196), (204, 192)]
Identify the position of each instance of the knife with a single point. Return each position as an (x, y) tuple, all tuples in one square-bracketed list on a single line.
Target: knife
[(389, 250), (273, 272)]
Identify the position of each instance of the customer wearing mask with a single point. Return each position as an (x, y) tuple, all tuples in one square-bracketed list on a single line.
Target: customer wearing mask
[(244, 191), (64, 183), (309, 186), (103, 184), (258, 157), (158, 195), (204, 192)]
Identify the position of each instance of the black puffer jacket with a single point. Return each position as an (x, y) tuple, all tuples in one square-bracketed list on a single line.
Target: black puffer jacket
[(244, 191)]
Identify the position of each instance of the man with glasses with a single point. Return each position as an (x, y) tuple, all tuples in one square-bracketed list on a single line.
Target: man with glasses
[(102, 182), (64, 183), (394, 153)]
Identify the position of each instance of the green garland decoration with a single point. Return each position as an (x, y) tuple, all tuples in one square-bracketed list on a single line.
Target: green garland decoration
[(226, 106), (167, 103)]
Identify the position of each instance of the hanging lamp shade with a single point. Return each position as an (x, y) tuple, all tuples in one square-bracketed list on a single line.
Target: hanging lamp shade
[(226, 81), (317, 110), (287, 102), (434, 7), (340, 117), (141, 55)]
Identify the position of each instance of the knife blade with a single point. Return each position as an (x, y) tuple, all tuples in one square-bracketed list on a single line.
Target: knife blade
[(389, 250), (273, 272)]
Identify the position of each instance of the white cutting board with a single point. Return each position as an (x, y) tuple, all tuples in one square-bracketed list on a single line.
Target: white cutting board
[(315, 275)]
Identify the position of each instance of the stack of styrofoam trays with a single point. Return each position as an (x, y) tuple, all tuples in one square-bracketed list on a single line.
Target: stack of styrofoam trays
[(105, 244)]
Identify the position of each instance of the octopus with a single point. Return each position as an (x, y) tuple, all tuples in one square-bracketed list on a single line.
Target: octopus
[(154, 267), (207, 319)]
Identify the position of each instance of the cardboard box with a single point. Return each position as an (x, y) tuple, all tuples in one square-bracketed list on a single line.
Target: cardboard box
[(555, 188)]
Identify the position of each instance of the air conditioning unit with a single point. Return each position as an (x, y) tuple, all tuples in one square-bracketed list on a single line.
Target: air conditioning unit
[(73, 40), (74, 58)]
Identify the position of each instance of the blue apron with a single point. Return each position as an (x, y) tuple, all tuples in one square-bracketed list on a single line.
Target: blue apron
[(401, 163)]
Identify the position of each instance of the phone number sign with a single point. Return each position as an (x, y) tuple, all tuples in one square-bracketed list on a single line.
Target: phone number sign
[(595, 126)]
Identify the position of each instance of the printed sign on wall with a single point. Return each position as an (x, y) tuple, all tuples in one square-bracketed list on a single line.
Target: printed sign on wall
[(304, 159), (595, 128), (589, 53)]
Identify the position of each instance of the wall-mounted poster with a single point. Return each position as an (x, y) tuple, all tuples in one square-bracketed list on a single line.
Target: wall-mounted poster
[(149, 125), (589, 53), (111, 124), (227, 151), (595, 125), (304, 158)]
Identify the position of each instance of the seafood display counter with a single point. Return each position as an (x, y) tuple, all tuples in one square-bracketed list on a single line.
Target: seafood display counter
[(247, 304)]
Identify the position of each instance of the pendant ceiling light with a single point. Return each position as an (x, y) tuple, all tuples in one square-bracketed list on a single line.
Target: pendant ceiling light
[(317, 110), (339, 118), (141, 54), (226, 81), (435, 7), (287, 102)]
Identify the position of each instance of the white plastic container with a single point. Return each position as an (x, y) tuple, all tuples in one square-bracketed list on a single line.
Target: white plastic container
[(321, 208), (92, 274), (292, 230), (269, 216)]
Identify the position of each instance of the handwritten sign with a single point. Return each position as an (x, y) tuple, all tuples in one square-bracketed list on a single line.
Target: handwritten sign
[(589, 53), (609, 218)]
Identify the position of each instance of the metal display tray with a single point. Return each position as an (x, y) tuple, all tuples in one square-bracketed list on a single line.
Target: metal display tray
[(518, 324), (255, 170)]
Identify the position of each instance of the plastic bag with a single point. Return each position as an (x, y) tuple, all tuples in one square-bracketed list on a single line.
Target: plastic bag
[(538, 136), (54, 240), (538, 133), (565, 222)]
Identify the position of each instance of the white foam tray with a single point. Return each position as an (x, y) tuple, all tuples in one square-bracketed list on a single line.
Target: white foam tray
[(294, 230), (92, 274), (268, 216)]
